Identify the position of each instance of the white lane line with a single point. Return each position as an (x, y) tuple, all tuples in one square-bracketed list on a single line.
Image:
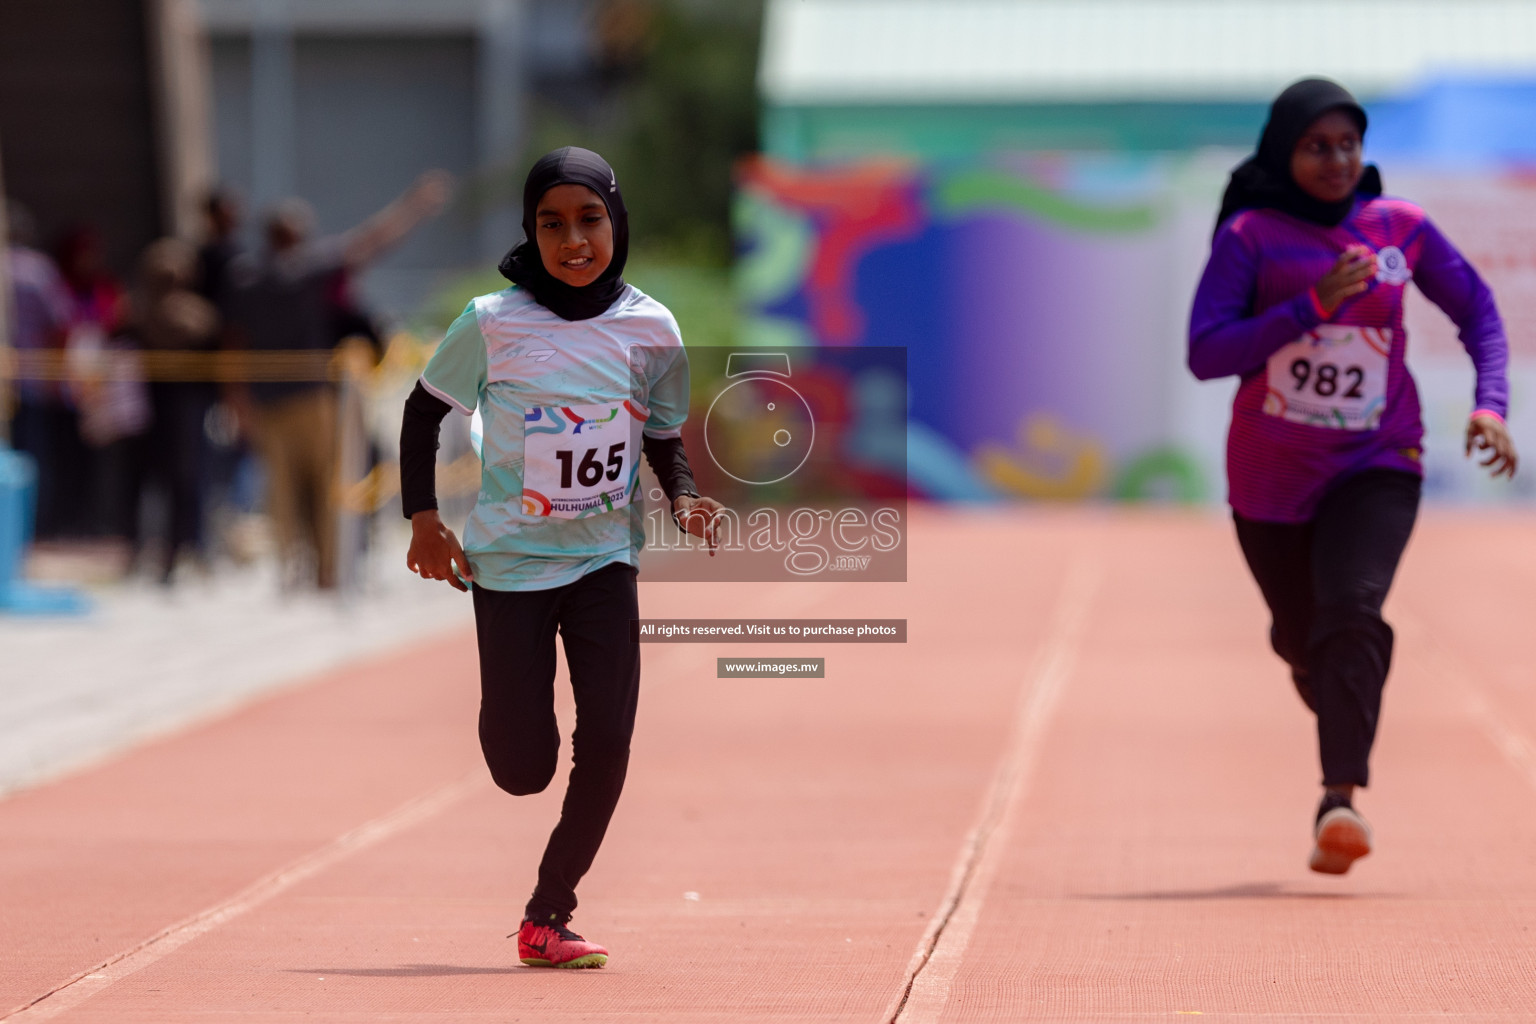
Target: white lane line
[(94, 981), (1517, 748), (931, 971)]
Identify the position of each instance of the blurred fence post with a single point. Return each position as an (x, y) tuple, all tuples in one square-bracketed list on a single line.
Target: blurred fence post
[(184, 129), (6, 395), (501, 76), (272, 102), (352, 511)]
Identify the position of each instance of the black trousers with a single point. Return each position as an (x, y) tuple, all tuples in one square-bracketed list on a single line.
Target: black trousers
[(1325, 581), (178, 460), (49, 431), (518, 732)]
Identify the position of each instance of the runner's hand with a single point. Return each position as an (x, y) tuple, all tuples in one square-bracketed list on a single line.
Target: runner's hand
[(1488, 434), (697, 516), (1351, 275), (435, 551)]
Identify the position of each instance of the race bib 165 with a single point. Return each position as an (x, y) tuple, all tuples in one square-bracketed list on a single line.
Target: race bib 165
[(580, 460)]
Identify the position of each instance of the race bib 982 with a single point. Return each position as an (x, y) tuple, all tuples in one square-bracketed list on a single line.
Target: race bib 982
[(1333, 376), (580, 460)]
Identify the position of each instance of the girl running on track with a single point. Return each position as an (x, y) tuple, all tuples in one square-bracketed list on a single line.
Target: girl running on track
[(574, 372), (1303, 299)]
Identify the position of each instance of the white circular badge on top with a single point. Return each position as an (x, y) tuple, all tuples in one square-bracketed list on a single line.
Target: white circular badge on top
[(1392, 266)]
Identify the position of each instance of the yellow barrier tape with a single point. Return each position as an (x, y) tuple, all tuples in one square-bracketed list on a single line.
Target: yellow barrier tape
[(403, 359), (405, 356), (373, 492), (180, 367)]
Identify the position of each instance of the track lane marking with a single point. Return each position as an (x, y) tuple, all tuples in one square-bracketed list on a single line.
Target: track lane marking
[(90, 983), (931, 970), (1518, 750)]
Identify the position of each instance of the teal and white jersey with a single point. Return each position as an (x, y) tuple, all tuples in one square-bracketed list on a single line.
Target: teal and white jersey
[(562, 404)]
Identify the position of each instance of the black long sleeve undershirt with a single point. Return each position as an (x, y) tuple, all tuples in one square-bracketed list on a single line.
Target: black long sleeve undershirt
[(419, 429), (669, 461)]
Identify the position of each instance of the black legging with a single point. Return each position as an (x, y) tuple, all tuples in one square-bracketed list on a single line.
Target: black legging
[(518, 732), (1325, 581)]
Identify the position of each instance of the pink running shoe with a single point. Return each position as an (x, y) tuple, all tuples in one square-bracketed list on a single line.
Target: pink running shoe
[(555, 945)]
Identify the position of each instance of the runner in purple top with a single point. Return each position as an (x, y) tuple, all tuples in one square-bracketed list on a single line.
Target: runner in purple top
[(1303, 299)]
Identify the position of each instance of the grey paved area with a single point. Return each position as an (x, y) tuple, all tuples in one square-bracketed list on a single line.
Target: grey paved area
[(148, 660)]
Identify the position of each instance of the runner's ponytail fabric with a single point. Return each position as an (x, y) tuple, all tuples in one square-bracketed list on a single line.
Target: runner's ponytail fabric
[(1264, 181), (523, 266)]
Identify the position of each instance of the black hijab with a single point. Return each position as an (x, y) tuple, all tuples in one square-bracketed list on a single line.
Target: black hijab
[(1264, 181), (523, 266)]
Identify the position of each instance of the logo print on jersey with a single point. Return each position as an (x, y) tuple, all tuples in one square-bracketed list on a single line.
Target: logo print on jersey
[(1392, 266), (548, 420)]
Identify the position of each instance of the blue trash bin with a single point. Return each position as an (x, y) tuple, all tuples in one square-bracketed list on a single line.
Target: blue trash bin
[(18, 486), (18, 493)]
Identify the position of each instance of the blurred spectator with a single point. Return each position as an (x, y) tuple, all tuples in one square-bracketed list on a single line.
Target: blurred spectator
[(283, 301), (101, 462), (221, 245), (349, 318), (169, 316), (99, 299), (230, 473), (44, 422)]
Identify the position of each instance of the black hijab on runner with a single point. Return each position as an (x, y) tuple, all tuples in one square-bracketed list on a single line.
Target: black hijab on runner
[(1264, 181), (523, 265)]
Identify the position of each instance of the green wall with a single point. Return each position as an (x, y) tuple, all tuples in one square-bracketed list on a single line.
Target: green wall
[(812, 133)]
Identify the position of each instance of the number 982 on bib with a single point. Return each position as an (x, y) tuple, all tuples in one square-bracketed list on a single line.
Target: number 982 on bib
[(1334, 376)]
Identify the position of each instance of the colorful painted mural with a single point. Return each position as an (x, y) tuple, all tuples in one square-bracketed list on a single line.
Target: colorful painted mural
[(1034, 295)]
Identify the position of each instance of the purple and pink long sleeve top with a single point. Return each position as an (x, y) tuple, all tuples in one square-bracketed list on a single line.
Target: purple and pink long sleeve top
[(1294, 432)]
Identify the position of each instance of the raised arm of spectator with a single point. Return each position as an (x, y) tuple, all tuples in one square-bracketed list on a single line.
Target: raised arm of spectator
[(384, 230)]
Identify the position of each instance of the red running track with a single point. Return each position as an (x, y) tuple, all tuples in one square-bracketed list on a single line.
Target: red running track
[(1081, 791)]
